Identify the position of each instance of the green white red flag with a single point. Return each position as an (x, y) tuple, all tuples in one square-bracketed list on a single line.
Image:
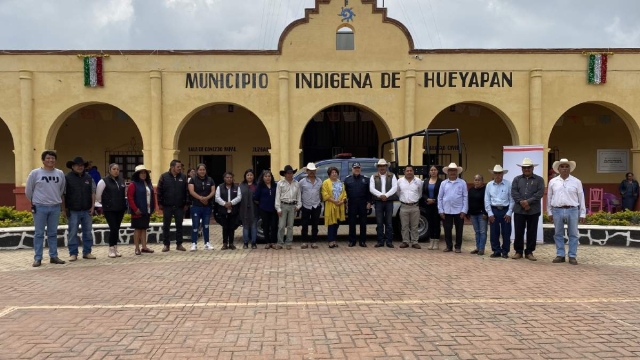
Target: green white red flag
[(93, 71), (597, 73)]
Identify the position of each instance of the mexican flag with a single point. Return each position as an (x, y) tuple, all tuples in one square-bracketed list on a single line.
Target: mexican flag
[(93, 71), (597, 73)]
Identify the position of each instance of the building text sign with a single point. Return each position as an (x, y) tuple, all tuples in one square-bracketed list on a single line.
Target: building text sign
[(613, 161), (350, 80), (212, 148)]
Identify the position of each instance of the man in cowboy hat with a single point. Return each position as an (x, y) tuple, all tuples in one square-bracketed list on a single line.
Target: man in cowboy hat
[(566, 203), (358, 202), (498, 204), (383, 187), (527, 191), (310, 188), (453, 204), (77, 205), (288, 202)]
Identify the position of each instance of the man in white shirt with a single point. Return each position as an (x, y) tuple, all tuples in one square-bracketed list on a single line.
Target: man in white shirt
[(410, 192), (288, 202), (453, 205), (310, 188), (498, 203), (383, 187), (566, 203)]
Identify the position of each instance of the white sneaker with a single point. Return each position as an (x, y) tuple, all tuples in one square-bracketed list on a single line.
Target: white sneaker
[(208, 246), (194, 247)]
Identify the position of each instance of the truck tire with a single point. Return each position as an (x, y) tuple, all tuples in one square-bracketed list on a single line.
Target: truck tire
[(259, 233), (423, 226)]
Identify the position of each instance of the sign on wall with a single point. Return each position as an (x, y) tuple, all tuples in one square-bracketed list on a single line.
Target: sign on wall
[(513, 155), (351, 80), (613, 161)]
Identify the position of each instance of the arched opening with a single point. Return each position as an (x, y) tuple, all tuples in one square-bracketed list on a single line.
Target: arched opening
[(225, 137), (102, 134), (345, 38), (599, 140), (8, 175), (483, 132), (342, 129)]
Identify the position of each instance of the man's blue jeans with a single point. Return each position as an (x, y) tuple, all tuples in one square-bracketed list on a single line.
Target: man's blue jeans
[(480, 227), (46, 216), (500, 227), (200, 214), (82, 217), (571, 216), (384, 218)]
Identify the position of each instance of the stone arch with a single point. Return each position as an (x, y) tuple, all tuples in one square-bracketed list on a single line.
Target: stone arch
[(482, 142), (586, 127), (241, 139), (100, 132), (52, 134), (515, 136), (381, 126), (187, 117), (348, 26), (7, 156), (632, 125)]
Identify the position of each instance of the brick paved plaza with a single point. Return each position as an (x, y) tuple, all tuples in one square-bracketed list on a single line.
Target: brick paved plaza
[(339, 303)]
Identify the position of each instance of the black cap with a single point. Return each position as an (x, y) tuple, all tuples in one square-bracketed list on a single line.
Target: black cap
[(355, 165)]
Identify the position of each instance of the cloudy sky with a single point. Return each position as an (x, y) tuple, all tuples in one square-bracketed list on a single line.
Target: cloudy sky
[(257, 24)]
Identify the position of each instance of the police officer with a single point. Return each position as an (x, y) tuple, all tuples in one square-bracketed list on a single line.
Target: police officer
[(358, 202)]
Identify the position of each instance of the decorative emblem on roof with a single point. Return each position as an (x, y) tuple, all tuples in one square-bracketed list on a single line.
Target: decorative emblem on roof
[(347, 14)]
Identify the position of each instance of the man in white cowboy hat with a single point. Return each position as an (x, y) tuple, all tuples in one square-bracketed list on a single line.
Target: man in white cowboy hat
[(453, 204), (498, 204), (77, 204), (310, 188), (566, 204), (527, 191), (288, 202), (383, 187)]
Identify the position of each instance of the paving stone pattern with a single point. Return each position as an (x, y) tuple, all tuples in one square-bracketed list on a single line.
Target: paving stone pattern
[(343, 303)]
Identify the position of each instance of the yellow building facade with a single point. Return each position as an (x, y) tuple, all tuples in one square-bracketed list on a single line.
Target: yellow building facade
[(343, 79)]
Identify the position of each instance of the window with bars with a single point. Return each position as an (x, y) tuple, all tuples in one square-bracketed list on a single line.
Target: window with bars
[(127, 162)]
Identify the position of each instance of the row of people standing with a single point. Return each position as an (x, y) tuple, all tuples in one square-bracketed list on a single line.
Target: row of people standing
[(49, 191), (73, 195), (307, 195), (500, 200), (355, 196), (493, 204)]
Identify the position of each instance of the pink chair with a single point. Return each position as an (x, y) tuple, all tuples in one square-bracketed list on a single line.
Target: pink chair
[(611, 203), (595, 198)]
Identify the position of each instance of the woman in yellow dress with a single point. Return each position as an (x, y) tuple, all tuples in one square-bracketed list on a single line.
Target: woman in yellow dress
[(333, 195)]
